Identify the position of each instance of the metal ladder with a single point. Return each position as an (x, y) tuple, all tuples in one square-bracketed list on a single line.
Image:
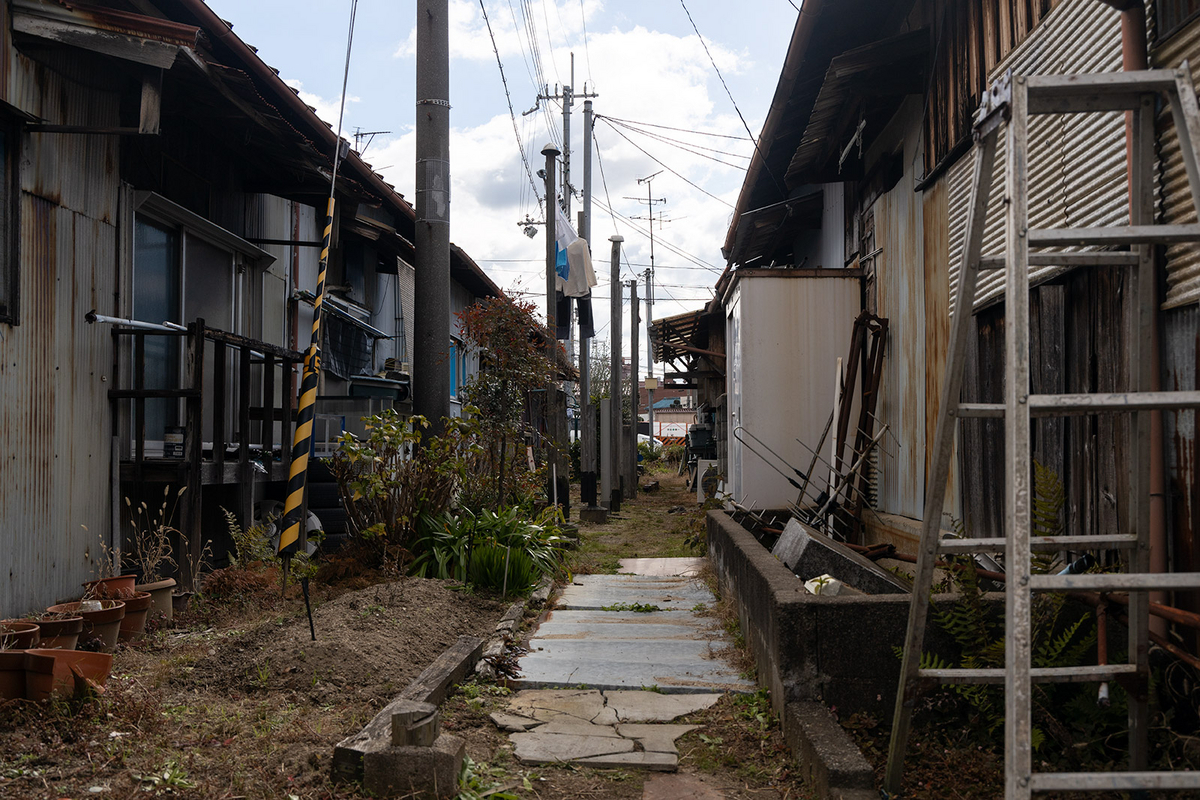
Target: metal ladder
[(1009, 103)]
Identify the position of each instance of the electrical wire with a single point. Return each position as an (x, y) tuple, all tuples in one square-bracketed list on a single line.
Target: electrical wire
[(681, 130), (778, 187), (643, 151), (512, 114), (586, 53), (342, 103), (682, 145)]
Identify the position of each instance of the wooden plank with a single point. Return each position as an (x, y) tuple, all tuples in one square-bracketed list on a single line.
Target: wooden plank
[(1115, 235), (1094, 258), (267, 436), (1114, 781), (192, 455), (246, 496), (139, 405)]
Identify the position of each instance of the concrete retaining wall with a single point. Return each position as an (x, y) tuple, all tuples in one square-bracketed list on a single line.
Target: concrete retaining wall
[(836, 650)]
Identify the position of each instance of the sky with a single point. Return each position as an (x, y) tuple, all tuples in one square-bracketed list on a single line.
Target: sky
[(659, 99)]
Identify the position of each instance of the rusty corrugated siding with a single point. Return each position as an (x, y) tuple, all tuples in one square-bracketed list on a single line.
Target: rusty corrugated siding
[(1183, 260), (937, 324), (1077, 161), (54, 368), (1181, 349), (900, 293)]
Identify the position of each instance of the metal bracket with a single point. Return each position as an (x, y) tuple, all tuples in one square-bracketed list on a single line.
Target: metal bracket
[(445, 103), (995, 106)]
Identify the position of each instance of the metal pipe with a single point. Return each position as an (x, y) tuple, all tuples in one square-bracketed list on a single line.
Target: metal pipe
[(613, 456), (92, 317), (551, 152)]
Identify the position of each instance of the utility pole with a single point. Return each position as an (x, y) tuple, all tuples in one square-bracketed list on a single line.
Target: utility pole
[(651, 382), (587, 481), (431, 240), (568, 96), (550, 152), (634, 323), (613, 456)]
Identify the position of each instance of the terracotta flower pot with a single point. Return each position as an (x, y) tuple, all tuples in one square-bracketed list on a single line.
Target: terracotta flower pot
[(104, 623), (134, 621), (160, 595), (18, 634), (115, 588), (180, 600), (12, 674), (60, 634), (63, 673)]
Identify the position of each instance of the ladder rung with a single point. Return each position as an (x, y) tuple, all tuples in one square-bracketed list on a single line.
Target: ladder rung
[(1057, 405), (1107, 541), (1088, 674), (1112, 781), (1098, 258), (1114, 234), (1116, 582)]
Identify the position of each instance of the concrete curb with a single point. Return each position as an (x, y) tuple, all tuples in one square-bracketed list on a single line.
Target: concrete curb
[(451, 667), (429, 687), (832, 765)]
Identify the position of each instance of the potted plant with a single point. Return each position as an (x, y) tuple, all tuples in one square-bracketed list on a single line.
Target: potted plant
[(109, 585), (151, 552), (64, 673), (101, 619), (18, 634), (137, 607), (59, 631)]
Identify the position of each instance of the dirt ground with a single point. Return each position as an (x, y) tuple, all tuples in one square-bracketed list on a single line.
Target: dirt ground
[(237, 701)]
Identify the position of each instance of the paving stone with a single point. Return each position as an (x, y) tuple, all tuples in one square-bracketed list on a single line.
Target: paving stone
[(545, 704), (602, 625), (655, 707), (656, 738), (665, 567), (681, 784), (658, 762), (556, 668), (514, 723), (573, 727), (552, 748), (668, 595)]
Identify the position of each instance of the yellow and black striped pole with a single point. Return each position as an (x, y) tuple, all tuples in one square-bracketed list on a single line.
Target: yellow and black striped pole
[(293, 507)]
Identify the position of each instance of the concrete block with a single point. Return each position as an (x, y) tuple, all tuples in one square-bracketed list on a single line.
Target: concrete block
[(810, 554), (596, 515), (829, 760), (417, 772), (513, 723), (655, 762), (556, 748), (655, 707), (415, 725)]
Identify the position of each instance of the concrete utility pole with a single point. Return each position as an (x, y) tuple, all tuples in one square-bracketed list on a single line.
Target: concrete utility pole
[(587, 412), (635, 322), (614, 454), (550, 152), (651, 383), (431, 240)]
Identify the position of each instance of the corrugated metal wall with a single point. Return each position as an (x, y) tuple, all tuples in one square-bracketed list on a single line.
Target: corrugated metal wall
[(1077, 161), (55, 369), (1183, 260), (900, 291)]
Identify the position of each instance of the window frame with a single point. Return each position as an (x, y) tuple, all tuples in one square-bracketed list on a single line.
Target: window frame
[(10, 206)]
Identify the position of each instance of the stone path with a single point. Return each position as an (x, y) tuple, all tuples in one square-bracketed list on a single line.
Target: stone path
[(635, 630), (617, 660)]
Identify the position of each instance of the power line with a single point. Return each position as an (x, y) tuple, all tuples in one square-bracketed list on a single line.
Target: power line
[(695, 186), (512, 114), (587, 54), (730, 94), (681, 130), (682, 145)]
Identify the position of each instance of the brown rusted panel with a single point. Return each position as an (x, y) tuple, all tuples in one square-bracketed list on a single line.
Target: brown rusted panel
[(937, 312), (1181, 365)]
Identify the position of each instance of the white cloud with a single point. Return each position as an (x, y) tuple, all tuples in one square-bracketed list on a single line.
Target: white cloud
[(325, 109)]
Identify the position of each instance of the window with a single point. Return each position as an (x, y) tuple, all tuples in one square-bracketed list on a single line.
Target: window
[(9, 264), (1173, 15), (455, 367)]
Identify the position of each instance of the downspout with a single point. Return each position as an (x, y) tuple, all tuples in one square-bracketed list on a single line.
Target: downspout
[(1134, 57)]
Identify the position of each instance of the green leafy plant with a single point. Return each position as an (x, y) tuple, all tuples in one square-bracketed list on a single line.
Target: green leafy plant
[(492, 550), (168, 779), (399, 473)]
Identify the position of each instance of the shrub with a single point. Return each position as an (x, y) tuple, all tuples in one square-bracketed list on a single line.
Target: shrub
[(464, 547)]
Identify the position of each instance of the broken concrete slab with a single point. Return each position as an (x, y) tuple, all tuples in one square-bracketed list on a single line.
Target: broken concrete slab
[(617, 595), (554, 748), (808, 554), (417, 772), (570, 726), (581, 666), (663, 567), (514, 723), (655, 707), (656, 738), (546, 704), (657, 762), (597, 625)]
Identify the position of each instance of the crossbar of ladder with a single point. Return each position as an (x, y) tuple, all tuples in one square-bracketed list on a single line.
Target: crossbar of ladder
[(1112, 781), (1115, 582), (1057, 405), (1106, 541), (1094, 673), (1115, 235), (1092, 258)]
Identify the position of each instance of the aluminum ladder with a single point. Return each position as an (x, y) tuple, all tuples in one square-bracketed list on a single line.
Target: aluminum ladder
[(1008, 104)]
